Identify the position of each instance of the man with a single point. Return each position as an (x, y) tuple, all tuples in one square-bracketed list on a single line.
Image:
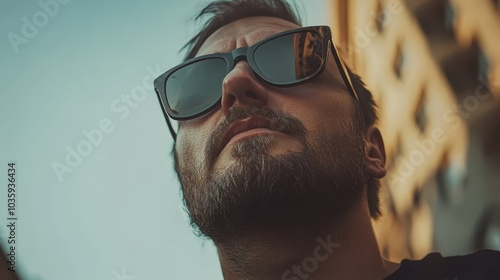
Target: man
[(6, 270), (278, 154)]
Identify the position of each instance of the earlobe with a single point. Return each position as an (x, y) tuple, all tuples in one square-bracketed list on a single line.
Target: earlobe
[(375, 153)]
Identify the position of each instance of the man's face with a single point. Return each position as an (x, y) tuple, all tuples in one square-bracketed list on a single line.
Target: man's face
[(269, 155)]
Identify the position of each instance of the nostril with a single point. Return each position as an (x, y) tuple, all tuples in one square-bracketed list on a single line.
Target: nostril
[(251, 94), (227, 100)]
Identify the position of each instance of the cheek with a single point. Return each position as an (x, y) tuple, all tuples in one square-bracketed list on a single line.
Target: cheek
[(191, 142), (322, 110)]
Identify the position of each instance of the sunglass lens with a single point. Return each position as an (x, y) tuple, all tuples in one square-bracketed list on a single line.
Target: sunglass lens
[(290, 58), (195, 87)]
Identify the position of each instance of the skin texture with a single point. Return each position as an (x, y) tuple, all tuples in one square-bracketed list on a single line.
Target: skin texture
[(259, 249)]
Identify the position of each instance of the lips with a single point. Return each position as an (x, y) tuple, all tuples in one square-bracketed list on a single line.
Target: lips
[(246, 125)]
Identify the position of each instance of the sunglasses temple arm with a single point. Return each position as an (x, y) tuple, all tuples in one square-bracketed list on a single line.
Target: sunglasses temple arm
[(170, 127), (343, 71), (172, 131)]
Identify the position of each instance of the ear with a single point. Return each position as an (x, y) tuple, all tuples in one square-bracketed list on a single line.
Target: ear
[(375, 153)]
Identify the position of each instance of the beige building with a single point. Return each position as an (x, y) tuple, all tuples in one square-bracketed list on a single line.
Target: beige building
[(434, 68)]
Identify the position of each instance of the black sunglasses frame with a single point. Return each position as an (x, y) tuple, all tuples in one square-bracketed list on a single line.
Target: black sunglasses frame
[(247, 54)]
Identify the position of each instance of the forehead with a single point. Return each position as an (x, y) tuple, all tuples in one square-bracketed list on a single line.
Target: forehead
[(243, 32)]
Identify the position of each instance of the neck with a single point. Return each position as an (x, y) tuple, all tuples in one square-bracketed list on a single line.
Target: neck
[(346, 250)]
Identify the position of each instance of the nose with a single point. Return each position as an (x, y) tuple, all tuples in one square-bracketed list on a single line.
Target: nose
[(241, 87)]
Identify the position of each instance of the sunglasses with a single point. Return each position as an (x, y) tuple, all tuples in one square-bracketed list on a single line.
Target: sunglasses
[(194, 88)]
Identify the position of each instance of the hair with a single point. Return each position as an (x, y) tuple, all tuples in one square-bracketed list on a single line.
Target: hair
[(221, 13)]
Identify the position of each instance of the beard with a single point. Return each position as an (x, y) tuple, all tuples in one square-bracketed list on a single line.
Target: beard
[(291, 192)]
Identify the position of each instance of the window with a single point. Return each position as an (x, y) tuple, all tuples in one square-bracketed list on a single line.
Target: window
[(399, 61), (421, 113)]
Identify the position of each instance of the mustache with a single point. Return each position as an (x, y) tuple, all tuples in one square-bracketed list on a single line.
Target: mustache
[(279, 121)]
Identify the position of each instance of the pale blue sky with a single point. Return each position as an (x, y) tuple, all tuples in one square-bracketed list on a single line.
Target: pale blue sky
[(117, 210)]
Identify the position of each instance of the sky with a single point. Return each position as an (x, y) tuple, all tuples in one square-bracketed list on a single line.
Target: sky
[(96, 195)]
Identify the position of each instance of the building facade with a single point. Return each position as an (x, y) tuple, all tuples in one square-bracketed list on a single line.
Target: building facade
[(434, 69)]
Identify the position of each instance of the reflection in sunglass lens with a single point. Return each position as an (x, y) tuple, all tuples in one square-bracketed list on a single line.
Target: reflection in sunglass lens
[(195, 87), (290, 58)]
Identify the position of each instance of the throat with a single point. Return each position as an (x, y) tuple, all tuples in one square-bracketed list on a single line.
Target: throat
[(278, 256), (345, 250)]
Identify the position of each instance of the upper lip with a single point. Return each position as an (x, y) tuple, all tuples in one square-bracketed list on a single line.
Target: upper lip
[(242, 126)]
